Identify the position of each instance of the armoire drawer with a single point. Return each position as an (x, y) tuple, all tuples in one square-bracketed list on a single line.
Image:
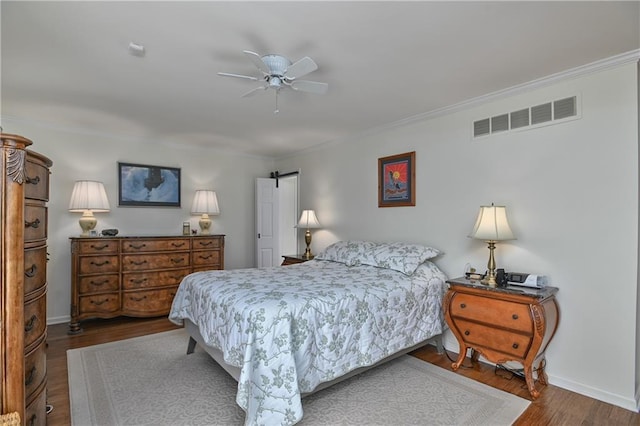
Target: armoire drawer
[(35, 368), (35, 222), (36, 180), (35, 319), (35, 268)]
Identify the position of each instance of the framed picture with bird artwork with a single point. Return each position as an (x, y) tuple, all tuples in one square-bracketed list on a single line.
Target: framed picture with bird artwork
[(141, 185), (397, 180)]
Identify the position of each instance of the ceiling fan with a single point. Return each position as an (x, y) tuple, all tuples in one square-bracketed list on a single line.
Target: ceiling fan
[(279, 72)]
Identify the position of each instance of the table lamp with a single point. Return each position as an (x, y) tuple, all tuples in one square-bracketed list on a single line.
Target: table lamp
[(308, 220), (88, 197), (492, 226), (205, 203)]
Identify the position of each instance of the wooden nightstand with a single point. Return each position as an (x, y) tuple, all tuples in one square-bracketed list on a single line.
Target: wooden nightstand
[(292, 259), (503, 324)]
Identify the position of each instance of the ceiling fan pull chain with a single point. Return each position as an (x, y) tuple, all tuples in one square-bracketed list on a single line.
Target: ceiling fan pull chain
[(276, 110)]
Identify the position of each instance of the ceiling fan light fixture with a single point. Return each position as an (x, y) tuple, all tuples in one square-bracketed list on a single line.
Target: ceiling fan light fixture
[(276, 63), (275, 83)]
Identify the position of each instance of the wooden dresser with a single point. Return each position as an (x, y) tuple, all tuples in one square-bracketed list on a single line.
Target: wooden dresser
[(25, 192), (503, 324), (135, 276)]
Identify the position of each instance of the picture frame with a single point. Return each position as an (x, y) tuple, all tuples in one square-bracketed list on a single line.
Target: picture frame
[(143, 185), (397, 180)]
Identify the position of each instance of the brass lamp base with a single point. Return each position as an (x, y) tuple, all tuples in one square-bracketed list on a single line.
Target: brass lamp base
[(490, 278), (307, 239)]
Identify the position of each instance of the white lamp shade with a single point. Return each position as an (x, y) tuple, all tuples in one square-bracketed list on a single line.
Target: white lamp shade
[(492, 224), (308, 220), (205, 202), (88, 195)]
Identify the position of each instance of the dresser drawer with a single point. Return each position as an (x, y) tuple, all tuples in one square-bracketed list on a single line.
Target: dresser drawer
[(132, 281), (138, 246), (35, 268), (148, 303), (100, 303), (35, 368), (144, 262), (36, 180), (504, 341), (207, 257), (97, 247), (515, 316), (206, 243), (99, 283), (36, 409), (98, 264), (35, 222), (35, 319)]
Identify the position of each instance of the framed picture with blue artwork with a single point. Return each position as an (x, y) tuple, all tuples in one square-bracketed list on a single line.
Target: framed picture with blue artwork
[(397, 180), (141, 185)]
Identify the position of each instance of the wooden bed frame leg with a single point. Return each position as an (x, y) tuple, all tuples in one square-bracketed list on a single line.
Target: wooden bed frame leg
[(439, 344), (192, 345)]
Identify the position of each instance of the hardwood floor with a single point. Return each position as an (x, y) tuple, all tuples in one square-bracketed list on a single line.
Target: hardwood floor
[(555, 406)]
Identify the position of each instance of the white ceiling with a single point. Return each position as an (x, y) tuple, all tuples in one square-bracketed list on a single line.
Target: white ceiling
[(67, 64)]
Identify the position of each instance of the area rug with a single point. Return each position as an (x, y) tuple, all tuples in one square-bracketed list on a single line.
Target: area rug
[(150, 380)]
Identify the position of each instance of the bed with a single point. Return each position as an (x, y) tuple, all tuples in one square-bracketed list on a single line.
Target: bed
[(284, 332)]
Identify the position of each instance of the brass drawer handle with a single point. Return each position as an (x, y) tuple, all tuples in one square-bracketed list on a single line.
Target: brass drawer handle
[(205, 243), (515, 346), (138, 281), (99, 283), (463, 305), (514, 316), (33, 181), (31, 376), (137, 299), (178, 260), (138, 263), (31, 272), (102, 247), (206, 257), (101, 302), (137, 247), (106, 262), (30, 324), (467, 332), (33, 224), (177, 244)]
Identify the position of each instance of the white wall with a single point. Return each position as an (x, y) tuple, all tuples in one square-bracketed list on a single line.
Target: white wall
[(79, 156), (571, 191)]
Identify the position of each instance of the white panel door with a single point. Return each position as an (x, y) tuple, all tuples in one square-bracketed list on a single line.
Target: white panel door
[(267, 214)]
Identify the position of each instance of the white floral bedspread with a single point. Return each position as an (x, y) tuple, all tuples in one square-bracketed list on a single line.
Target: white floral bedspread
[(291, 328)]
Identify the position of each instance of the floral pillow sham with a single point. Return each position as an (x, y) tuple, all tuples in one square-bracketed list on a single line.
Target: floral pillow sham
[(402, 257)]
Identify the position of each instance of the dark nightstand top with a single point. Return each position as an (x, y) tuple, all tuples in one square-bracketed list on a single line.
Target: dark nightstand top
[(538, 293), (299, 257)]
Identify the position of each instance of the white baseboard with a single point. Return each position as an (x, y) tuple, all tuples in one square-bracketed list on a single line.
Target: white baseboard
[(451, 344), (58, 320)]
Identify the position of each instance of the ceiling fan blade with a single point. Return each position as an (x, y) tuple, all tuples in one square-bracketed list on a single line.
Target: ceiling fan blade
[(254, 91), (302, 67), (310, 86), (257, 61), (248, 77)]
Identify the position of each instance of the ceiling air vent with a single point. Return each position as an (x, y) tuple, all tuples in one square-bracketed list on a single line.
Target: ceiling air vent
[(500, 123), (481, 127), (541, 113), (552, 112), (564, 108), (520, 118)]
